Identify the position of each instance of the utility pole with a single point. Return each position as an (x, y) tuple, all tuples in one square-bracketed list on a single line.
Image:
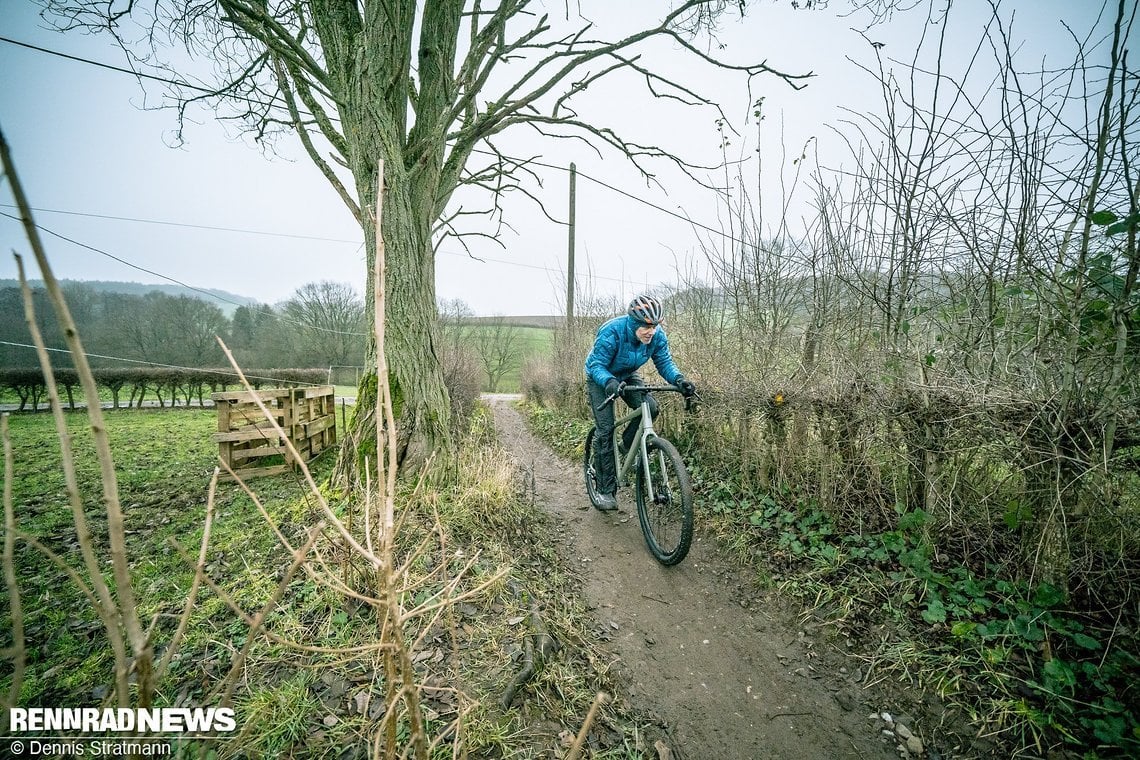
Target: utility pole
[(570, 255)]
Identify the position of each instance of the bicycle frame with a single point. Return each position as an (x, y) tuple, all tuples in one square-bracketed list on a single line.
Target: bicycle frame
[(645, 430)]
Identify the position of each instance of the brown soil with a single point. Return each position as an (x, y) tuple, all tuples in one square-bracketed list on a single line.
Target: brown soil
[(719, 663)]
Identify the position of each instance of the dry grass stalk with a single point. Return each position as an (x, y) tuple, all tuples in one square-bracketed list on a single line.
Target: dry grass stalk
[(386, 475), (117, 608), (125, 611), (576, 748), (16, 610), (378, 553), (316, 569), (459, 748), (105, 604)]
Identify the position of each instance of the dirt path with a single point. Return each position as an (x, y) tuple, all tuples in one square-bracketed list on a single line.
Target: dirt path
[(728, 674)]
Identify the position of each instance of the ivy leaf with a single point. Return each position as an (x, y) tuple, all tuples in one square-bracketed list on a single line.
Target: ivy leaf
[(1083, 640), (1060, 673), (1124, 224), (934, 612), (963, 628), (1047, 596), (1102, 218)]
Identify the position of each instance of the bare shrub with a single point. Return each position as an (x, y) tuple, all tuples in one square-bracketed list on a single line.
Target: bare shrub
[(462, 375)]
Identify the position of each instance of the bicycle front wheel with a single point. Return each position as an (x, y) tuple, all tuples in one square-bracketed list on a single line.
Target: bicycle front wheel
[(665, 502)]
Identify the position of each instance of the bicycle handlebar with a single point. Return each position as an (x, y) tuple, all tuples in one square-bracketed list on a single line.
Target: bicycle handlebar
[(639, 388)]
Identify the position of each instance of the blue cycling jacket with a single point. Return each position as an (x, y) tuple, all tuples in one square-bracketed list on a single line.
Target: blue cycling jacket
[(618, 353)]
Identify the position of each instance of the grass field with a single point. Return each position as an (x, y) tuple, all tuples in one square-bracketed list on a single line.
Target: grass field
[(531, 341), (292, 702)]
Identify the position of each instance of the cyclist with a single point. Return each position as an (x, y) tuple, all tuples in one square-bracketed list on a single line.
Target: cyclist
[(622, 345)]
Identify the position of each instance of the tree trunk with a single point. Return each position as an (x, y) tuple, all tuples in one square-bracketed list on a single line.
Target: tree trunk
[(421, 406)]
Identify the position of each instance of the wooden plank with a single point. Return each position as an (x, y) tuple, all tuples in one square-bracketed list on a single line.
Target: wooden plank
[(310, 429), (247, 435), (245, 420), (255, 425), (276, 401), (288, 422), (250, 407), (316, 390), (256, 472), (259, 425), (247, 396), (259, 451)]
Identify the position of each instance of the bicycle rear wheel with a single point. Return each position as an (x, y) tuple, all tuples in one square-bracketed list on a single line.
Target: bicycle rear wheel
[(588, 469), (666, 516)]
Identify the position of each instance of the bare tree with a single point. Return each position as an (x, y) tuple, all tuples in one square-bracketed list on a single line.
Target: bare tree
[(454, 317), (330, 318), (422, 87), (499, 347), (195, 326)]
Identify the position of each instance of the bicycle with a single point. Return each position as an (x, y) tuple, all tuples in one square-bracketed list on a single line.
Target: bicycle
[(664, 491)]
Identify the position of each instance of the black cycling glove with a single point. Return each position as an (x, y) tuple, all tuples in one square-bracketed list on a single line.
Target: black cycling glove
[(688, 390), (613, 386)]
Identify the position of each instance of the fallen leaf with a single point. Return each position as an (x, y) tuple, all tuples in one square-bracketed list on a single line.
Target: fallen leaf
[(663, 751)]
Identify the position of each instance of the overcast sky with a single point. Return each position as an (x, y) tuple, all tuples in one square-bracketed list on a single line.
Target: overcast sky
[(219, 213)]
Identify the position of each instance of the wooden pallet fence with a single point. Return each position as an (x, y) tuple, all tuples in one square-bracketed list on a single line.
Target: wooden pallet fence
[(246, 439)]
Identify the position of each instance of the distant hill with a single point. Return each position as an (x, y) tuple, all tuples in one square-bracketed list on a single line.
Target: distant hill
[(223, 299)]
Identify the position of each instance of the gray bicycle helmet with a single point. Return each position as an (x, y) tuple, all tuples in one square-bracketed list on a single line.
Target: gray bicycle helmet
[(647, 310)]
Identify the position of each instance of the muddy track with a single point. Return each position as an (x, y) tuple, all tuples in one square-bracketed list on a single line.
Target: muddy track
[(726, 671)]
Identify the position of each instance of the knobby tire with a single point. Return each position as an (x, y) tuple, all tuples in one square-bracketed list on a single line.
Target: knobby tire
[(668, 523), (588, 469)]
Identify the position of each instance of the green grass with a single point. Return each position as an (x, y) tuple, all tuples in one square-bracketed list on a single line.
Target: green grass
[(163, 461), (291, 703)]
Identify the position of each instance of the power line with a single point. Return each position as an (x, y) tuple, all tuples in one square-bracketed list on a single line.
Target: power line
[(617, 190), (245, 231), (188, 225), (547, 269), (101, 65), (215, 296), (141, 74)]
